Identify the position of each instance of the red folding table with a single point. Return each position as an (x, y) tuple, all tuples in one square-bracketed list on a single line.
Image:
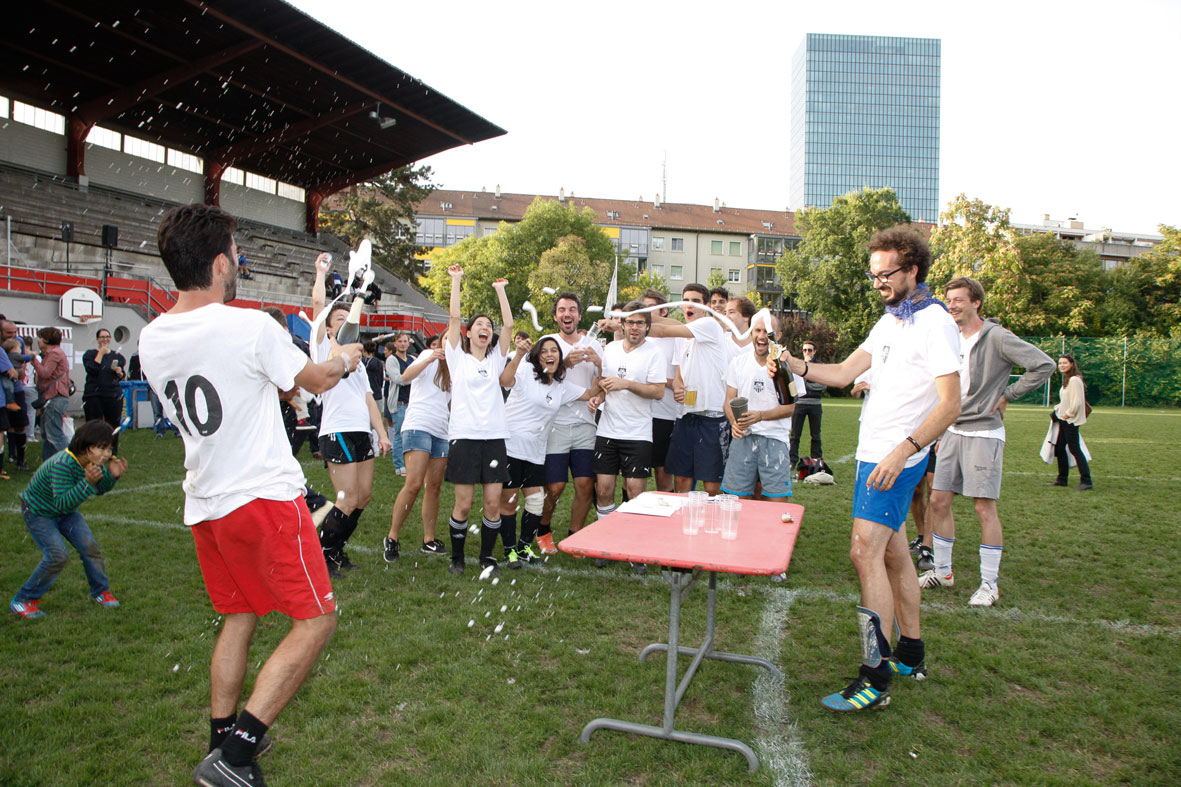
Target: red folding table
[(763, 548)]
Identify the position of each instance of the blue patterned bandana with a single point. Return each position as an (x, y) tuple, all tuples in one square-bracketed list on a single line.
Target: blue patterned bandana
[(919, 299)]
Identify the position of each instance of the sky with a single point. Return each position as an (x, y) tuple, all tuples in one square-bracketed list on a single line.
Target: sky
[(1047, 107)]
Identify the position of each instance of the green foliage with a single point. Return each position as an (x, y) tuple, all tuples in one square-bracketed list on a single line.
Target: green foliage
[(827, 270), (1144, 295), (515, 252), (383, 210), (716, 278), (644, 281)]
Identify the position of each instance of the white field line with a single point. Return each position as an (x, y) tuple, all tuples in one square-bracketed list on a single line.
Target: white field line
[(781, 748), (1172, 479), (844, 459), (120, 490)]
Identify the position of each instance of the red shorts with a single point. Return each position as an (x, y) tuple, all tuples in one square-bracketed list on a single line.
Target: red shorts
[(265, 556)]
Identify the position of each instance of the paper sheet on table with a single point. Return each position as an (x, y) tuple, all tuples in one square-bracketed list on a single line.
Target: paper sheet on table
[(653, 505)]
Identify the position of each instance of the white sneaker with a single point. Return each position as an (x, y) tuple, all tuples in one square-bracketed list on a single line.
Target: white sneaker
[(932, 579), (985, 596)]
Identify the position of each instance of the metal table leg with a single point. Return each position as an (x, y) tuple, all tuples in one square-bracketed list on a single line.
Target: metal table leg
[(681, 582)]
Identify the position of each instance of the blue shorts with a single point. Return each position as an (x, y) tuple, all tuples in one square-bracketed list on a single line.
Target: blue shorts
[(420, 440), (890, 507), (577, 462), (695, 450), (759, 458)]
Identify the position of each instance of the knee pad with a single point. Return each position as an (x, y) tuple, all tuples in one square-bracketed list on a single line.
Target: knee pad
[(534, 503)]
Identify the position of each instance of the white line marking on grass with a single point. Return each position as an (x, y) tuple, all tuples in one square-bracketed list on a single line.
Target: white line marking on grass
[(844, 459), (122, 489), (781, 747), (1172, 479)]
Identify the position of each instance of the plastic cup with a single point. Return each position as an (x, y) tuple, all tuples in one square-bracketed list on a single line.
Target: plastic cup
[(730, 510), (712, 523), (693, 513)]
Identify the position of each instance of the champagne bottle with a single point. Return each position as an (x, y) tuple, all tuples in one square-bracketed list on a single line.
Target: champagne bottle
[(784, 381), (350, 330)]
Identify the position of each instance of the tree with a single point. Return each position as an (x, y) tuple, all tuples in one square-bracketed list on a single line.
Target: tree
[(515, 252), (717, 278), (383, 210), (1156, 276), (1053, 288), (641, 283), (826, 272), (973, 239)]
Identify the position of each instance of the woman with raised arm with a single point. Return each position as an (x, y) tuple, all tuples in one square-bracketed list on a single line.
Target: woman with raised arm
[(424, 440), (477, 430), (535, 376), (349, 417)]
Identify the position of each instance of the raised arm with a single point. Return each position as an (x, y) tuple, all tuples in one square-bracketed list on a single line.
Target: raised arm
[(319, 377), (453, 333), (421, 362), (319, 293), (508, 377), (666, 326), (835, 374), (506, 316)]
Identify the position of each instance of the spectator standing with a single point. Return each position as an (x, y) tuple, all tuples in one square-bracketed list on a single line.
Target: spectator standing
[(102, 397), (807, 408), (1069, 414), (398, 398), (53, 389)]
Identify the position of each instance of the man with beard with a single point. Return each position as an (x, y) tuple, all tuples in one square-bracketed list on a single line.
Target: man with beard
[(913, 352), (255, 541), (973, 450), (571, 444)]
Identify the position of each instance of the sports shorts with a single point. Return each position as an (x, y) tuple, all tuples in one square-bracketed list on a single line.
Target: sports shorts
[(662, 434), (345, 448), (888, 507), (265, 556), (695, 450), (523, 474), (970, 466), (477, 462), (629, 458), (759, 458)]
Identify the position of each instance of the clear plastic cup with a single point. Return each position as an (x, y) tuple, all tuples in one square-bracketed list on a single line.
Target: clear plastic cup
[(693, 513), (712, 523), (730, 510)]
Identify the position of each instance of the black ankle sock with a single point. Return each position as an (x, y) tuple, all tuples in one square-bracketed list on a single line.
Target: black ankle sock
[(458, 538), (508, 532), (879, 676), (543, 529), (242, 742), (219, 729), (910, 652)]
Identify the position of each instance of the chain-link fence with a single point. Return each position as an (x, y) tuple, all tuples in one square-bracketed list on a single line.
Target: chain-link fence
[(1118, 371)]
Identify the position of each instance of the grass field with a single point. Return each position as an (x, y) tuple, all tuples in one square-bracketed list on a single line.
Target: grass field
[(1071, 679)]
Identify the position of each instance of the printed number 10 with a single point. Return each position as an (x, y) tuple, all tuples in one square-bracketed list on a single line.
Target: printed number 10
[(213, 410)]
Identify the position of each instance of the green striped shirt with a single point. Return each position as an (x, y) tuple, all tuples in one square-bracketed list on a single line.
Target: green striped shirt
[(59, 486)]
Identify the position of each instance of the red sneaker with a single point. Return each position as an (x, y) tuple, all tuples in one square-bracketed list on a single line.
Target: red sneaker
[(106, 599), (26, 609), (546, 544)]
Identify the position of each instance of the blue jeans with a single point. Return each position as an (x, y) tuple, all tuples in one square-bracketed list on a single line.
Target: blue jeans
[(51, 424), (51, 534), (399, 415)]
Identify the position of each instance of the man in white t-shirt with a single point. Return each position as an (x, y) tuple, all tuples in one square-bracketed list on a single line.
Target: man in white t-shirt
[(571, 443), (972, 452), (216, 368), (633, 378), (759, 449), (699, 438), (913, 351), (665, 410), (740, 311)]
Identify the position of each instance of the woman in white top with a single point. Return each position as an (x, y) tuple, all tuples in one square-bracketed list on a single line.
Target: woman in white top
[(477, 430), (424, 440), (349, 417), (535, 374), (1070, 414)]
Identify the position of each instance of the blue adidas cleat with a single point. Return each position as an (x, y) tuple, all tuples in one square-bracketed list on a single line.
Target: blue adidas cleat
[(918, 672), (858, 695)]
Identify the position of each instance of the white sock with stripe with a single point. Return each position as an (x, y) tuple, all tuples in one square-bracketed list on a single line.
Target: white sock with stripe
[(943, 554), (990, 563)]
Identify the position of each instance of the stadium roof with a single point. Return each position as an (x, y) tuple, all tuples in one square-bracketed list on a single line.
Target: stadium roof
[(256, 85)]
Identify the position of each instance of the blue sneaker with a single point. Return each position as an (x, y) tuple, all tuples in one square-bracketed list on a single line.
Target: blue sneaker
[(917, 673), (858, 695)]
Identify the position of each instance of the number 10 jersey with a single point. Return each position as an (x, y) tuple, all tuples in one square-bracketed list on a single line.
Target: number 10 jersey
[(217, 371)]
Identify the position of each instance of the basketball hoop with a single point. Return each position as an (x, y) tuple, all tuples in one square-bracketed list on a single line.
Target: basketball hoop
[(85, 318)]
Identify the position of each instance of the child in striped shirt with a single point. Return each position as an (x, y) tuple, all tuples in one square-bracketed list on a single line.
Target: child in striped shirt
[(50, 507)]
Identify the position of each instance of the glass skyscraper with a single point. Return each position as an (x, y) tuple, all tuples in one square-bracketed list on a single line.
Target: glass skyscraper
[(865, 112)]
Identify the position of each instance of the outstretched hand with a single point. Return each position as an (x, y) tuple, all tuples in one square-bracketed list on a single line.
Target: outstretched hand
[(323, 263), (499, 284)]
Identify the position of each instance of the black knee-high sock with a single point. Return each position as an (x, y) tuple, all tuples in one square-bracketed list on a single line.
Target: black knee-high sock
[(489, 531), (351, 523), (332, 534), (17, 440), (508, 532), (458, 538), (529, 524)]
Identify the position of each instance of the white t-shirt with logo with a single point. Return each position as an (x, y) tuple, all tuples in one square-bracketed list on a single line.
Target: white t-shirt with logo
[(530, 410), (749, 377), (703, 361), (428, 410), (626, 414), (966, 346), (477, 404), (581, 376), (218, 370), (345, 405), (907, 357), (666, 407)]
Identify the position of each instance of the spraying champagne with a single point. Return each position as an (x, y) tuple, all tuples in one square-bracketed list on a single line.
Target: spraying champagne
[(350, 329)]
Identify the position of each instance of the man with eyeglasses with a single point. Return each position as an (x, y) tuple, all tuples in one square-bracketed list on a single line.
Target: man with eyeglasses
[(807, 407), (913, 352)]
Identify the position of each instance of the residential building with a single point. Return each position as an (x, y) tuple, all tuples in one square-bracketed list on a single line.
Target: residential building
[(865, 113), (1113, 248)]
